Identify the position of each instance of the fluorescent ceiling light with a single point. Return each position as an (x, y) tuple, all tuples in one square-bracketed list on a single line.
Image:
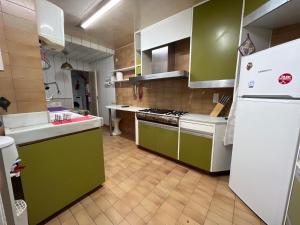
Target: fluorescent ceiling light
[(99, 13)]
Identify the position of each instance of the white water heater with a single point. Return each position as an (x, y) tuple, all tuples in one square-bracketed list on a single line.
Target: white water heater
[(50, 22)]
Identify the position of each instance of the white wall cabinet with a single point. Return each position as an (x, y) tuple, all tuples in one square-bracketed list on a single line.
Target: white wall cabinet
[(174, 28)]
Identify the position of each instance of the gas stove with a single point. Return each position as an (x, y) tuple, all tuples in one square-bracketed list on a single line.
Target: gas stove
[(163, 116), (163, 112)]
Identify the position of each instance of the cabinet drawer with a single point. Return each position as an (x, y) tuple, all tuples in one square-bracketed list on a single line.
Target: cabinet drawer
[(198, 127)]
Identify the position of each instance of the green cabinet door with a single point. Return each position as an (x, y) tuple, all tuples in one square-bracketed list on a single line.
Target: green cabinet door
[(159, 138), (147, 136), (167, 141), (294, 207), (59, 171), (195, 150), (215, 40), (251, 5)]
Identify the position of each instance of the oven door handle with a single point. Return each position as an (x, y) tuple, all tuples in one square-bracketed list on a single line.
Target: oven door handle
[(160, 125)]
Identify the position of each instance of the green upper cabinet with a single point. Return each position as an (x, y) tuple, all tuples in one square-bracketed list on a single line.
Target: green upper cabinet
[(215, 40), (251, 5)]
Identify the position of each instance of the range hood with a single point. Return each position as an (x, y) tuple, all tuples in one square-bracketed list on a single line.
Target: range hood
[(160, 76), (162, 66)]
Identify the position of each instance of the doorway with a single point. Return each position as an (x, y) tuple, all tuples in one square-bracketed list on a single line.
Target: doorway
[(84, 92)]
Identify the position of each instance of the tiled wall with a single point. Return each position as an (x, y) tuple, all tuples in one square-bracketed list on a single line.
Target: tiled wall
[(171, 94), (22, 80), (63, 79), (124, 56), (285, 34)]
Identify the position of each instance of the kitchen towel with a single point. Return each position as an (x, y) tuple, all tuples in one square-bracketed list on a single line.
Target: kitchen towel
[(229, 132)]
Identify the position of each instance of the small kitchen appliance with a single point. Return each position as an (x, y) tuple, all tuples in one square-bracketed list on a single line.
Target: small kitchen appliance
[(267, 129)]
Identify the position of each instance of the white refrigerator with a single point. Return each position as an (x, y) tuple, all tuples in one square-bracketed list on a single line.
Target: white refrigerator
[(267, 128)]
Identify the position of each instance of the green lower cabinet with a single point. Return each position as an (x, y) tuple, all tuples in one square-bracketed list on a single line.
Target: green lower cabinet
[(167, 142), (147, 136), (293, 211), (59, 171), (163, 139), (195, 150)]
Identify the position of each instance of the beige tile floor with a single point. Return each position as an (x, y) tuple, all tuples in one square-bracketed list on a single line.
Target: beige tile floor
[(143, 188)]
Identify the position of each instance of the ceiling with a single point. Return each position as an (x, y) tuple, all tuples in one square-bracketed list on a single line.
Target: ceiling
[(116, 27)]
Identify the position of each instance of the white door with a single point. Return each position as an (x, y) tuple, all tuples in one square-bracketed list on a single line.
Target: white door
[(264, 154)]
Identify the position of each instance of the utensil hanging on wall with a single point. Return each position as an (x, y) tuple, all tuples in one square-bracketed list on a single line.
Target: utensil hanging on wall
[(140, 90)]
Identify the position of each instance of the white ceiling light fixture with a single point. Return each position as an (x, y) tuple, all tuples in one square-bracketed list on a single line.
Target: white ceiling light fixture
[(99, 13)]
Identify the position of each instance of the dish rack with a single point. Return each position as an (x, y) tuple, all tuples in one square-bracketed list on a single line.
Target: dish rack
[(21, 207), (15, 209)]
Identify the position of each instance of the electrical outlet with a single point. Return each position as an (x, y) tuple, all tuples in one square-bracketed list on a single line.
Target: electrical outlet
[(1, 62), (216, 98)]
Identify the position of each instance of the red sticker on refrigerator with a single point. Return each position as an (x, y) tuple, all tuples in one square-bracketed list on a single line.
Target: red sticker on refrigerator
[(285, 78)]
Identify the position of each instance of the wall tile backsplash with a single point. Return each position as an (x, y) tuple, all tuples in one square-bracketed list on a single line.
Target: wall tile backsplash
[(171, 94)]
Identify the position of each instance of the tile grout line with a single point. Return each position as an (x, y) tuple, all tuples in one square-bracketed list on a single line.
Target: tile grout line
[(211, 200)]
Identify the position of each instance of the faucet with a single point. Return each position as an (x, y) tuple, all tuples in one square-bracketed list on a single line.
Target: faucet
[(47, 86), (50, 98)]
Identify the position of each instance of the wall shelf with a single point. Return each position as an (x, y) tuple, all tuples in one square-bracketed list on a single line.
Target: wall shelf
[(274, 14), (160, 76), (121, 81), (125, 69)]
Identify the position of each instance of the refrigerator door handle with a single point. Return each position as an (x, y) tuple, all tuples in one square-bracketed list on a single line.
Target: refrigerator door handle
[(283, 97)]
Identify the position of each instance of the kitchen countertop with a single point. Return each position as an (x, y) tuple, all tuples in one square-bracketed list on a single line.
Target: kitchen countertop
[(41, 131), (127, 109), (188, 116), (203, 118)]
